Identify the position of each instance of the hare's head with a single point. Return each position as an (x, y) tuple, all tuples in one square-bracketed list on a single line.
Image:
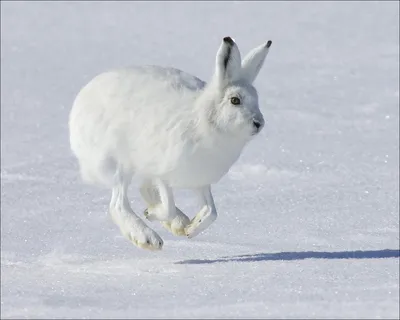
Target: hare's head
[(235, 101)]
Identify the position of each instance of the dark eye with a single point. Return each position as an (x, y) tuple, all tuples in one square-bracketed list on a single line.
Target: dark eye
[(235, 101)]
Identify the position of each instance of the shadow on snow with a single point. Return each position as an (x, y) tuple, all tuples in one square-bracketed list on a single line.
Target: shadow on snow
[(287, 256)]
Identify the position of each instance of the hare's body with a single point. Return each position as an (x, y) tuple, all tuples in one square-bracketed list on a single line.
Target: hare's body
[(145, 120), (172, 130)]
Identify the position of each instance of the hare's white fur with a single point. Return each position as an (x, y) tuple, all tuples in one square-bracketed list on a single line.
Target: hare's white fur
[(171, 129)]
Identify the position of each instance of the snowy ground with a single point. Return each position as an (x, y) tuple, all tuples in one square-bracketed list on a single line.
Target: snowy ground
[(308, 223)]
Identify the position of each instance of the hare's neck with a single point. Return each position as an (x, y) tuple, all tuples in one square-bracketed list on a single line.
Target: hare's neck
[(204, 106)]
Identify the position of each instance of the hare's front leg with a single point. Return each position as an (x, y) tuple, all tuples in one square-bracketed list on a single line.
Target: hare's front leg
[(161, 206), (131, 226), (206, 216)]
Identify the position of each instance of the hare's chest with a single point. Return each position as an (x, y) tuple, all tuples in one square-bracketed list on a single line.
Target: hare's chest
[(204, 165)]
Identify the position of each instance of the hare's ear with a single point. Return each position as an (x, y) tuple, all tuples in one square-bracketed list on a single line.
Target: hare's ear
[(253, 62), (228, 61)]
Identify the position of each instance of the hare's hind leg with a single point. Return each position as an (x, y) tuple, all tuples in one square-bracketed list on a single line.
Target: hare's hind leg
[(161, 206), (206, 216), (131, 226)]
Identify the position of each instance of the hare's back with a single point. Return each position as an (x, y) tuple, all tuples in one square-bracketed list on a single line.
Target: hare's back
[(135, 91), (140, 86), (170, 76), (150, 78)]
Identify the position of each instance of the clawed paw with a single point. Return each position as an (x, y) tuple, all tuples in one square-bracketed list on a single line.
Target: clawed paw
[(174, 229), (147, 242), (200, 223), (176, 226)]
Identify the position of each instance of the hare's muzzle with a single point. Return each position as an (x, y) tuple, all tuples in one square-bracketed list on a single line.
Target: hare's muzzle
[(257, 125)]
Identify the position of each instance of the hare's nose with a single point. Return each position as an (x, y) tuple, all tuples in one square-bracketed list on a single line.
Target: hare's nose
[(256, 124)]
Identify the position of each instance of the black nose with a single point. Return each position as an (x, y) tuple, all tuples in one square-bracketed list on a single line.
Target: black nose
[(257, 124)]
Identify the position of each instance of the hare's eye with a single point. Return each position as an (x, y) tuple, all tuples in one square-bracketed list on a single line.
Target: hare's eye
[(235, 101)]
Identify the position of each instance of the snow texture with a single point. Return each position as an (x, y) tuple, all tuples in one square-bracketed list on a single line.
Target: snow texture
[(308, 220)]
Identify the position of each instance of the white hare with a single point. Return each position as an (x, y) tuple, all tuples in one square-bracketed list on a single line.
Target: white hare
[(172, 130)]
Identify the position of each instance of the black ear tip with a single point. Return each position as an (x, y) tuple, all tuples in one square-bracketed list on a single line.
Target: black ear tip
[(269, 43), (229, 40)]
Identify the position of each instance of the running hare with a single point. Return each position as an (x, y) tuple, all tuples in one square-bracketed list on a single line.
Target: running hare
[(172, 130)]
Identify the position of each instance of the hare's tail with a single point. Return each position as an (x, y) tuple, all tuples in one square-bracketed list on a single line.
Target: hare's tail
[(98, 170)]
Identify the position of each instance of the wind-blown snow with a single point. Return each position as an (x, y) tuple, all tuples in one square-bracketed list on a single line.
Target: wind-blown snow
[(308, 220)]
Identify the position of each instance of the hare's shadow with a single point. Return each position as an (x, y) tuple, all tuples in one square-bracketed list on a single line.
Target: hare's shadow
[(287, 256)]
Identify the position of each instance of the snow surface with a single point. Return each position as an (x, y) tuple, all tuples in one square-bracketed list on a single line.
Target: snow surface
[(308, 217)]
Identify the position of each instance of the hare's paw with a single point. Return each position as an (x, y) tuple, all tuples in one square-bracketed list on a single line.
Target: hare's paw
[(177, 225), (200, 222), (142, 236)]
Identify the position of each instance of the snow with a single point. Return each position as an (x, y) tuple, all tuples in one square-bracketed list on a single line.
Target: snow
[(308, 220)]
